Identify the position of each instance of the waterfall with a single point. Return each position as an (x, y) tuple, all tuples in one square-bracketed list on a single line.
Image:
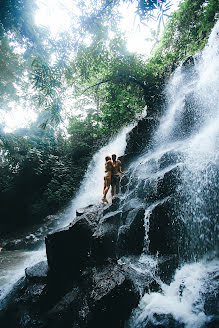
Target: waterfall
[(91, 189), (188, 137), (174, 182), (13, 263)]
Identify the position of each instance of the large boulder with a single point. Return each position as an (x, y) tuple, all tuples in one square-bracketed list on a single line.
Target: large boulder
[(113, 297), (68, 250), (104, 296), (170, 158), (38, 272), (166, 230), (131, 235), (105, 236), (140, 137), (168, 183)]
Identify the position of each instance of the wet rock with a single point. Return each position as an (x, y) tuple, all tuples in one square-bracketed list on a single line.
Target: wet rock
[(84, 210), (188, 62), (104, 297), (38, 272), (105, 236), (131, 235), (164, 320), (66, 310), (167, 266), (147, 190), (68, 250), (27, 242), (113, 297), (170, 158), (112, 207), (139, 137), (168, 184), (166, 231)]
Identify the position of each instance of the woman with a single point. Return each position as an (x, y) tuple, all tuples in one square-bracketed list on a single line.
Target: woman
[(107, 177)]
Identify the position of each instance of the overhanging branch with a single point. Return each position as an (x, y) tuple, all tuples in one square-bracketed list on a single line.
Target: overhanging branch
[(94, 85), (130, 78)]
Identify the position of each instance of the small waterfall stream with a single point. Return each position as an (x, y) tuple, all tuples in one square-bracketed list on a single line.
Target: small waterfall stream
[(13, 263), (187, 138)]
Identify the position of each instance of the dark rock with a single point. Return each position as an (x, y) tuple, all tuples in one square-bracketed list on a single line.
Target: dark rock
[(139, 137), (147, 190), (190, 119), (105, 236), (163, 320), (27, 242), (190, 61), (38, 272), (167, 266), (168, 184), (166, 230), (65, 312), (113, 207), (113, 297), (68, 250), (131, 235), (84, 210), (170, 158)]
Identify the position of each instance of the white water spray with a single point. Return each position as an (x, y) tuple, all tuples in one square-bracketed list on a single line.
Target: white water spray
[(189, 127), (90, 192), (182, 299), (91, 189)]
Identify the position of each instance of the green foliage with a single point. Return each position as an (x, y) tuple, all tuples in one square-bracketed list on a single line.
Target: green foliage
[(113, 79), (84, 136), (18, 16), (185, 34), (39, 173), (40, 169), (47, 80), (12, 67)]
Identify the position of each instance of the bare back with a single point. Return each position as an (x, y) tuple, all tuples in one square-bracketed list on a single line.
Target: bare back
[(116, 167), (108, 168)]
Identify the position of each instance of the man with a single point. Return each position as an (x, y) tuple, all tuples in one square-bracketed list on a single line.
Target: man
[(116, 175)]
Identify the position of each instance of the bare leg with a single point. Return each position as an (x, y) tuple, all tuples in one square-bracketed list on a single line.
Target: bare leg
[(105, 193), (107, 182)]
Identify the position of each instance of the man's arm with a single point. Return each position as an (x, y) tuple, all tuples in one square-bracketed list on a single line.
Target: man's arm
[(120, 167)]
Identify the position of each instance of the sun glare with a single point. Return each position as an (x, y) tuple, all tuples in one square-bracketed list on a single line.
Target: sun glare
[(17, 117), (59, 16), (56, 15)]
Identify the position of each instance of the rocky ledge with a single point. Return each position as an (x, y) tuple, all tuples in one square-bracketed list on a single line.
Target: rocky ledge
[(83, 284)]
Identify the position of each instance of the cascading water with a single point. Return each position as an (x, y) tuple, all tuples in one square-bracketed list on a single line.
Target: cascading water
[(187, 139), (91, 188), (184, 149), (13, 263)]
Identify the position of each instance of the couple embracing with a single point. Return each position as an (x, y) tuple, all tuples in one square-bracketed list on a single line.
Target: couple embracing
[(112, 176)]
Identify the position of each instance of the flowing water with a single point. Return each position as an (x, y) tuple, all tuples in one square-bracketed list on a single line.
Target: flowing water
[(91, 189), (189, 134), (13, 263)]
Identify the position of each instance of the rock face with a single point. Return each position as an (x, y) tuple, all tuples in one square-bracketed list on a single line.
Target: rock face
[(139, 138), (166, 231), (87, 281), (103, 296), (82, 284)]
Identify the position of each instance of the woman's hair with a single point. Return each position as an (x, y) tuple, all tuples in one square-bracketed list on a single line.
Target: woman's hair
[(107, 158)]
